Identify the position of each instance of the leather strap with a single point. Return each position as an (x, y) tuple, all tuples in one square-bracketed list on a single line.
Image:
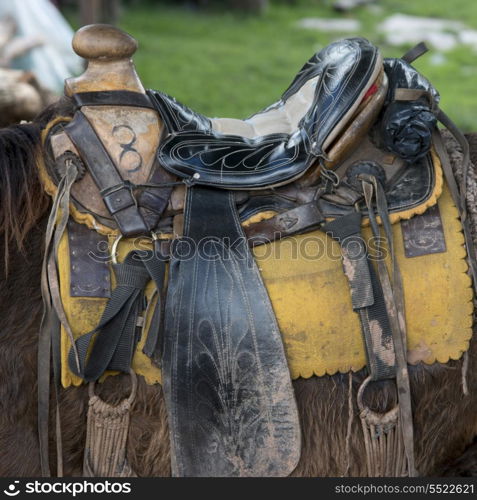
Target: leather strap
[(297, 220), (417, 51), (112, 98), (458, 192), (117, 194), (153, 197), (403, 94), (153, 345), (226, 381)]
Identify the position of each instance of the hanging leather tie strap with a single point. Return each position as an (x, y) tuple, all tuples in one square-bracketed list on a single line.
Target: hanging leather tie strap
[(417, 51), (394, 297), (458, 191), (52, 308)]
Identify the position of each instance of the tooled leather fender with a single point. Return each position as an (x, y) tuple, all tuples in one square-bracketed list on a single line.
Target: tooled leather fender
[(193, 149), (230, 401)]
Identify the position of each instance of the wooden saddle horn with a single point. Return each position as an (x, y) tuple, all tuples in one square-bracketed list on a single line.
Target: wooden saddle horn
[(108, 52), (130, 134)]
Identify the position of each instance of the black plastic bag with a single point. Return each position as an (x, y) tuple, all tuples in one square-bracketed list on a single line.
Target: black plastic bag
[(407, 128)]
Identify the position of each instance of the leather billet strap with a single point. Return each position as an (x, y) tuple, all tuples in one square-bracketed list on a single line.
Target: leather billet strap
[(112, 98), (295, 221), (415, 52), (117, 194), (230, 401)]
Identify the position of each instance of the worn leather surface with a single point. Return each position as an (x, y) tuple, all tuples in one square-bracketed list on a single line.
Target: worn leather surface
[(89, 277), (128, 147), (231, 161), (229, 397), (117, 196), (408, 187)]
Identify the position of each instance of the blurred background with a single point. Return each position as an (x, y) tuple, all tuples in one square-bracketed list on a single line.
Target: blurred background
[(234, 57)]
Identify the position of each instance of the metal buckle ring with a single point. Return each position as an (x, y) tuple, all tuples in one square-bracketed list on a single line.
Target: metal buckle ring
[(114, 246), (331, 176), (132, 395)]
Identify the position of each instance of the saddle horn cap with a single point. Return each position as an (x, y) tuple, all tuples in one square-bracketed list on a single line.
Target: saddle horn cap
[(108, 51), (103, 41)]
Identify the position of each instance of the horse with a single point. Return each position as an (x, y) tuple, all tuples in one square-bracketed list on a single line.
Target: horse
[(445, 423)]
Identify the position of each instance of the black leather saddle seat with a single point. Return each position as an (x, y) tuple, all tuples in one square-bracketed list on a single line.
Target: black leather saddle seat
[(276, 145)]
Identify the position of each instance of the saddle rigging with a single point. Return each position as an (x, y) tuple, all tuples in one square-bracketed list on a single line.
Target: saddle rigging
[(349, 141)]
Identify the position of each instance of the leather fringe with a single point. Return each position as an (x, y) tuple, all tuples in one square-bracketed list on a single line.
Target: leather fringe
[(106, 436), (383, 439)]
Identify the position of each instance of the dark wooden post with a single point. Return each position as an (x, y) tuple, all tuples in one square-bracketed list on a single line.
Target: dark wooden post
[(99, 11), (250, 5)]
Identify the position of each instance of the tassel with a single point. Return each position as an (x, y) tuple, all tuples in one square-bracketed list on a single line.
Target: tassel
[(106, 436), (383, 439)]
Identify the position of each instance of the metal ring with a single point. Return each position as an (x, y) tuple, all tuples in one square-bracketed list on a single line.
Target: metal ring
[(132, 395), (331, 176), (161, 236), (361, 389), (114, 248), (371, 415)]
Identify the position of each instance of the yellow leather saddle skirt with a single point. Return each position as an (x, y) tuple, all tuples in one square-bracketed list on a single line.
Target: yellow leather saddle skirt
[(311, 300)]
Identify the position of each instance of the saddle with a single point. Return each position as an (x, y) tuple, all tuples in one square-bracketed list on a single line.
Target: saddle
[(351, 143)]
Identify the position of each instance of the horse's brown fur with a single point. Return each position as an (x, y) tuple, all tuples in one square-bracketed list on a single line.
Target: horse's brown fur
[(445, 420)]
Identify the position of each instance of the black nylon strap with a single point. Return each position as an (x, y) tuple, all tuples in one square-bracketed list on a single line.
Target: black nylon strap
[(157, 269), (366, 295), (116, 333)]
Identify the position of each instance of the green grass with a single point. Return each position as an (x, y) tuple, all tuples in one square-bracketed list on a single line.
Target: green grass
[(225, 64)]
